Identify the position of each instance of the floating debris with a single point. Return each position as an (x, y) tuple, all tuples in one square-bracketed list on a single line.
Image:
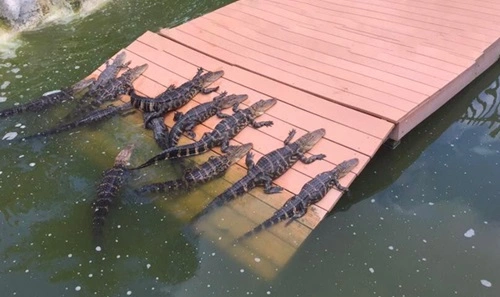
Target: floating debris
[(5, 85), (486, 283), (470, 233), (3, 99), (9, 136)]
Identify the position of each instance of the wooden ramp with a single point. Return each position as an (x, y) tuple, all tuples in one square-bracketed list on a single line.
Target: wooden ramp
[(364, 70)]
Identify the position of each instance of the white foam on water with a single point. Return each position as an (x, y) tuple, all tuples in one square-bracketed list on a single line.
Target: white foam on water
[(470, 233), (371, 270), (51, 92), (9, 43), (15, 70), (78, 288), (9, 136), (486, 283), (5, 84), (3, 99)]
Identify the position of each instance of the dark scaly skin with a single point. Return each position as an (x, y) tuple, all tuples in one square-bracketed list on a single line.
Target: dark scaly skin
[(93, 117), (111, 71), (160, 131), (213, 168), (48, 99), (225, 130), (108, 92), (108, 189), (312, 192), (184, 123), (174, 98), (270, 167)]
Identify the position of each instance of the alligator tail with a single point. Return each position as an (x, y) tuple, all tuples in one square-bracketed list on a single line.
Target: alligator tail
[(187, 150), (239, 188), (171, 185)]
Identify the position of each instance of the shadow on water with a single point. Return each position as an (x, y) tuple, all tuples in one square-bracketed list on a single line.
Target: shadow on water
[(477, 105)]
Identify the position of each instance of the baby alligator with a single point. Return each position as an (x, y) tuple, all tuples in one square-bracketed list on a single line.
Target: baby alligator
[(270, 167), (220, 135), (111, 71), (47, 99), (107, 190), (93, 117), (213, 168), (312, 192), (174, 98), (184, 123)]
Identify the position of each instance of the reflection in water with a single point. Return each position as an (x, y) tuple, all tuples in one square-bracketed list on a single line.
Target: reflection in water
[(485, 109)]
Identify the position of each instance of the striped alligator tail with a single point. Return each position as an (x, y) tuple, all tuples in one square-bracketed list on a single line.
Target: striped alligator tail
[(187, 150), (279, 216), (171, 185), (39, 104), (239, 188)]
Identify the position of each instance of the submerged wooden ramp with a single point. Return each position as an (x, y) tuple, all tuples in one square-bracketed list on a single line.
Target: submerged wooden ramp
[(365, 70)]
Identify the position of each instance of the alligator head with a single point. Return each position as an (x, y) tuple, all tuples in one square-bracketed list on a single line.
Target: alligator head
[(225, 101), (209, 77), (343, 168), (124, 156), (234, 153), (261, 106), (307, 141), (120, 60), (133, 73)]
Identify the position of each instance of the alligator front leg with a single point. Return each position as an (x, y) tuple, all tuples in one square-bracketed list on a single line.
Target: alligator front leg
[(291, 134), (225, 145), (178, 115), (339, 186), (311, 159), (257, 125), (299, 212), (209, 90), (249, 160), (188, 130), (221, 115), (171, 87), (198, 73)]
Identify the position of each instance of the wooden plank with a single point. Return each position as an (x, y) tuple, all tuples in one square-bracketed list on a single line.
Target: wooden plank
[(270, 88), (434, 102), (433, 77), (354, 139)]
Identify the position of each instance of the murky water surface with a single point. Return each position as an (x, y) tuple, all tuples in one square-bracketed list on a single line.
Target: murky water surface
[(422, 220)]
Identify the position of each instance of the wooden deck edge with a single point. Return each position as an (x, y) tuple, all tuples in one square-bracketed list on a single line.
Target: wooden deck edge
[(434, 102)]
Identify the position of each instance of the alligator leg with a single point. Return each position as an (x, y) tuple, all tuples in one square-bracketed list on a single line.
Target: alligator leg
[(249, 160), (291, 134), (257, 125), (339, 186), (171, 87), (311, 159), (225, 144), (178, 115), (198, 73), (268, 184), (209, 90), (221, 115), (299, 212)]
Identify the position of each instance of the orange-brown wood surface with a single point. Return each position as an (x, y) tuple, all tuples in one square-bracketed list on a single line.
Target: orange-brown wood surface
[(364, 70)]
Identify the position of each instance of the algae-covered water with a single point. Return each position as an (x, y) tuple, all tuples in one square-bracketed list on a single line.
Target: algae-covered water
[(422, 220)]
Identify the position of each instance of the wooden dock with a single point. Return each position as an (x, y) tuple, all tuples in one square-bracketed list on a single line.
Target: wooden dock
[(365, 70)]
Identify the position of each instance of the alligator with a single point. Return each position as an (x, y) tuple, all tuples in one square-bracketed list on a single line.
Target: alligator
[(108, 92), (312, 192), (93, 117), (111, 71), (48, 99), (215, 167), (184, 123), (160, 130), (174, 98), (270, 167), (225, 130), (107, 190)]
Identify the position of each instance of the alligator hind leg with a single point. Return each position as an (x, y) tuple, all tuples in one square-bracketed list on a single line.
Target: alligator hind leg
[(312, 158), (209, 90), (268, 184), (291, 134), (249, 160)]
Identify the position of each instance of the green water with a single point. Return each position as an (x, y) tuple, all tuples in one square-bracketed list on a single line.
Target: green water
[(422, 220)]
